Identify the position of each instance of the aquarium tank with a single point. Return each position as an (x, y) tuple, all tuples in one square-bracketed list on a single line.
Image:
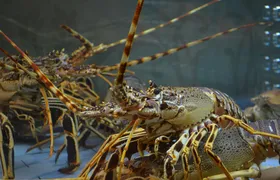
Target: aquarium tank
[(243, 64)]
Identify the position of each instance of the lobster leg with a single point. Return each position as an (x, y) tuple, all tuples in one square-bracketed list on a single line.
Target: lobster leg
[(252, 172), (230, 121), (114, 158), (2, 155), (209, 146), (101, 160), (59, 151), (86, 80), (81, 138), (111, 141), (7, 148), (85, 133), (51, 138), (49, 118), (158, 141), (92, 129), (185, 154), (194, 149), (41, 143), (138, 121), (62, 147), (31, 121), (174, 152), (89, 92), (72, 145), (135, 146), (79, 91)]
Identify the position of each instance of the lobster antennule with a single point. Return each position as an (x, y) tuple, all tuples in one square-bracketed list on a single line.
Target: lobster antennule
[(184, 46), (128, 44), (49, 85)]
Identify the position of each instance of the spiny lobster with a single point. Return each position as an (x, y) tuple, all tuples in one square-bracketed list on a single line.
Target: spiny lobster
[(151, 163), (16, 98), (240, 151), (266, 106), (62, 67), (89, 50), (162, 110)]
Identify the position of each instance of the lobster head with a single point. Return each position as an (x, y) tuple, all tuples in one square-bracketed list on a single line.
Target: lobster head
[(129, 103)]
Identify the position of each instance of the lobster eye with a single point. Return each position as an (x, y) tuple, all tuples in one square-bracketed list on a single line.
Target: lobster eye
[(156, 91), (57, 60)]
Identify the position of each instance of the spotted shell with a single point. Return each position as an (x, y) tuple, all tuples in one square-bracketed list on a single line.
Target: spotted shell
[(271, 97)]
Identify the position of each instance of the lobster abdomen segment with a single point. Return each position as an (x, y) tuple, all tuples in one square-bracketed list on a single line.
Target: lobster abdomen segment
[(224, 105)]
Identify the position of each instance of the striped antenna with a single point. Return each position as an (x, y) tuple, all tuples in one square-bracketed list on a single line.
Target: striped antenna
[(10, 68), (87, 70), (83, 52), (184, 46), (128, 44), (164, 24), (88, 50), (49, 85), (78, 36), (23, 69)]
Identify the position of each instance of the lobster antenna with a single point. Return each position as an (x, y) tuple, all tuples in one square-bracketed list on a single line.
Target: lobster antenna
[(119, 81), (83, 52), (184, 46), (43, 78), (88, 49), (93, 69), (128, 44), (78, 36), (23, 69), (8, 67), (145, 32)]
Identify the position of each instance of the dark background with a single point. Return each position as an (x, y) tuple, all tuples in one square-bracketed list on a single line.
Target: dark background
[(232, 63)]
